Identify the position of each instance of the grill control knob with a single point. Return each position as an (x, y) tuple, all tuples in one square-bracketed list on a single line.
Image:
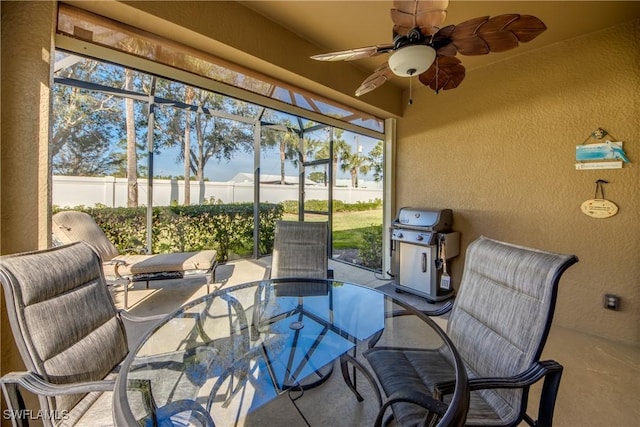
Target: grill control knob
[(419, 237), (400, 235)]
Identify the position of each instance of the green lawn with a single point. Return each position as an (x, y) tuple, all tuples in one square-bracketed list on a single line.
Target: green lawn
[(348, 226)]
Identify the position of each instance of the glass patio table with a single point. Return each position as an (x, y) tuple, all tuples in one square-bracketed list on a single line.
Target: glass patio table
[(263, 353)]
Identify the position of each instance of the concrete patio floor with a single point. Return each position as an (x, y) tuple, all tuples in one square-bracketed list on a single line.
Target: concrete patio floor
[(601, 380)]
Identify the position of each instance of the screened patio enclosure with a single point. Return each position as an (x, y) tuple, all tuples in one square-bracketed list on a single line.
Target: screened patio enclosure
[(110, 120), (148, 113)]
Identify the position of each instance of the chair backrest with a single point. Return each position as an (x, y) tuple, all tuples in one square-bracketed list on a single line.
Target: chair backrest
[(300, 250), (502, 313), (63, 319), (74, 226)]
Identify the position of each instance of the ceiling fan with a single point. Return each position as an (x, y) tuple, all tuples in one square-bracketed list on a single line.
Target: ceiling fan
[(422, 47)]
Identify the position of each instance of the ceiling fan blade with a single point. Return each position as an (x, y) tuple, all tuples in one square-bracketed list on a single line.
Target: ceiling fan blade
[(465, 37), (527, 28), (446, 72), (427, 15), (352, 54), (375, 80), (480, 36), (495, 35)]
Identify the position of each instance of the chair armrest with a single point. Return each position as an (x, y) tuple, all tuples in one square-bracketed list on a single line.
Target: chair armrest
[(140, 319), (38, 385), (524, 379), (444, 309), (35, 384), (137, 326), (116, 265), (550, 370)]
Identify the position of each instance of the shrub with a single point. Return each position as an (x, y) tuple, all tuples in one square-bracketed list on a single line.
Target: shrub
[(228, 228), (371, 251), (291, 206)]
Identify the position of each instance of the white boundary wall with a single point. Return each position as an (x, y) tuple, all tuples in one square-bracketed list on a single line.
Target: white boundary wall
[(70, 191)]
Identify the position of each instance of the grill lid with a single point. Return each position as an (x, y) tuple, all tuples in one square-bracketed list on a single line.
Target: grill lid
[(430, 219)]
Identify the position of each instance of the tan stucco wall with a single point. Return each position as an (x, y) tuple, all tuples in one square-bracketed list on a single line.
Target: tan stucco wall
[(500, 151), (27, 46)]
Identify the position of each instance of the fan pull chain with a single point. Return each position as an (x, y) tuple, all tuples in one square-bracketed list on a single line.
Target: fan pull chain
[(411, 90)]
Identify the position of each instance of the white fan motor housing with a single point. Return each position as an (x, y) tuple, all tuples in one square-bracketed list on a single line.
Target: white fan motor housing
[(412, 60)]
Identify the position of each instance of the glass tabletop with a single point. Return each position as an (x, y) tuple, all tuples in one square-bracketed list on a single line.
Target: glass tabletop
[(265, 352)]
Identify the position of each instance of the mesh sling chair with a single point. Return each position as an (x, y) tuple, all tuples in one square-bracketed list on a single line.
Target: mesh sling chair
[(300, 251), (74, 226), (499, 324), (70, 337)]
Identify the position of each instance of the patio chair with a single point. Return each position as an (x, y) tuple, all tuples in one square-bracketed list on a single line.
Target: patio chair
[(74, 226), (71, 339), (499, 324), (300, 251)]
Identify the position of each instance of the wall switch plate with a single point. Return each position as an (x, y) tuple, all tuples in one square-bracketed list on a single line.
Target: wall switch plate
[(611, 302)]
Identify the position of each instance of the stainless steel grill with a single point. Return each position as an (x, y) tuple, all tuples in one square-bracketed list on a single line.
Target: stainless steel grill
[(420, 240)]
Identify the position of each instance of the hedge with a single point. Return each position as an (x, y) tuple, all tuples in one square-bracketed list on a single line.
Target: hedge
[(228, 228), (291, 206)]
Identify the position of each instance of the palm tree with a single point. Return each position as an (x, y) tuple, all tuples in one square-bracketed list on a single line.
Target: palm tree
[(289, 148), (376, 160), (355, 163), (341, 150), (287, 141)]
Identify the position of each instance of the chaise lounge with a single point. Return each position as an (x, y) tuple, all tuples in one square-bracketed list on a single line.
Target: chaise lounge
[(73, 226)]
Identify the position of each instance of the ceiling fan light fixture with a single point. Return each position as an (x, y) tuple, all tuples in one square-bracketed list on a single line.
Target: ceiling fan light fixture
[(412, 60)]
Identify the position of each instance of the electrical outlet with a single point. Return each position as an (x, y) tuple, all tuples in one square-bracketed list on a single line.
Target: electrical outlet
[(611, 302)]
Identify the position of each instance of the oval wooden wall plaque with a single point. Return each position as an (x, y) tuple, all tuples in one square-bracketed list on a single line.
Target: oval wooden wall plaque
[(599, 208)]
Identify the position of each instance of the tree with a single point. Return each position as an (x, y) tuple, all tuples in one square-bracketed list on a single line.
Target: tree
[(132, 158), (354, 163), (319, 177), (84, 122), (287, 141), (186, 149), (194, 126), (341, 150), (376, 160)]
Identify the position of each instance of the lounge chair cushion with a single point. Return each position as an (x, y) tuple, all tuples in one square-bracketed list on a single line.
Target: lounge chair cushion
[(149, 264)]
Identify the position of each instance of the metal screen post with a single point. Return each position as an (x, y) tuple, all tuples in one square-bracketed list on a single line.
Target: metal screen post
[(150, 126)]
